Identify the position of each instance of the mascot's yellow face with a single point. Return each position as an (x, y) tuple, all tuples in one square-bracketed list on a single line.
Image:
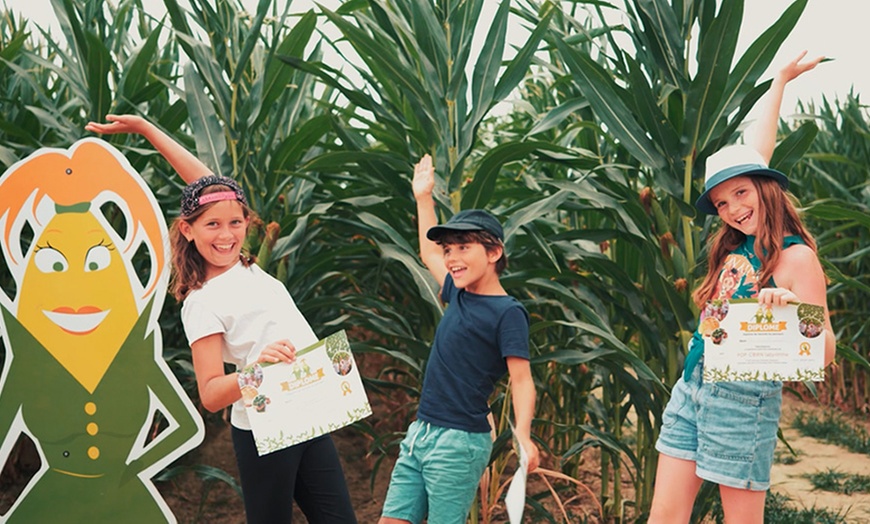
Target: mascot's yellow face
[(76, 297)]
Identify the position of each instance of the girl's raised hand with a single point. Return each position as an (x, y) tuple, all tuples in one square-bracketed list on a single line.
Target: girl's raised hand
[(795, 68), (119, 124), (278, 351), (424, 177), (776, 296)]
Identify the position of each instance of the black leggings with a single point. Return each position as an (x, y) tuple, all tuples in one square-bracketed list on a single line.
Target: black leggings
[(309, 472)]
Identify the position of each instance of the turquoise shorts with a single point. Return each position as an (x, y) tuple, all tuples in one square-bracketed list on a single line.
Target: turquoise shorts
[(727, 428), (437, 473)]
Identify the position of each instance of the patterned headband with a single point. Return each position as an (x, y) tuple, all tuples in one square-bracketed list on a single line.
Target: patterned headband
[(192, 197)]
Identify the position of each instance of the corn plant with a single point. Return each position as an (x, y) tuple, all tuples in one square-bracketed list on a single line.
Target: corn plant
[(831, 181)]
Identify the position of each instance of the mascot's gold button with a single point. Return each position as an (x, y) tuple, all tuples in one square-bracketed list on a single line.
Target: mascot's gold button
[(92, 429), (94, 452), (90, 408)]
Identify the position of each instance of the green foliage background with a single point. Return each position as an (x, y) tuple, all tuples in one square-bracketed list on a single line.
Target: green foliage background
[(593, 172)]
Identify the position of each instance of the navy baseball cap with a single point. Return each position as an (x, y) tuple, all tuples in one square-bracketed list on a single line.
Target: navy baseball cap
[(468, 220)]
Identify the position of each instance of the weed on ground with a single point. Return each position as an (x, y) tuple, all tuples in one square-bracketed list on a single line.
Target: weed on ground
[(833, 428)]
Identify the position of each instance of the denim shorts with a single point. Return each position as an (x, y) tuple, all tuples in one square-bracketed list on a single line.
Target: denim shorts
[(727, 428), (437, 473)]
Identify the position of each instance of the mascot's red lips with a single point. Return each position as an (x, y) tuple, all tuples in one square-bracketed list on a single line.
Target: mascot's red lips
[(79, 321)]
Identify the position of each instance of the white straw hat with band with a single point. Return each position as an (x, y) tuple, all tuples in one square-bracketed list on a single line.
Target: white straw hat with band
[(729, 162)]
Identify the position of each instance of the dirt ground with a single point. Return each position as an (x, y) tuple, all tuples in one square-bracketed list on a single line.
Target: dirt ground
[(194, 500), (815, 456), (222, 506)]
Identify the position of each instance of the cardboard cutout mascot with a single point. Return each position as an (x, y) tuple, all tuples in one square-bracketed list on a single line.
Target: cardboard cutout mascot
[(83, 373)]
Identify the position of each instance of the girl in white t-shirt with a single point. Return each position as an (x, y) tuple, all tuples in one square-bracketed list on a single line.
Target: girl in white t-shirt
[(236, 313)]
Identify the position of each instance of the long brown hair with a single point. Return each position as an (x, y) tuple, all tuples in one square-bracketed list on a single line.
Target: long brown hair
[(773, 226), (188, 266)]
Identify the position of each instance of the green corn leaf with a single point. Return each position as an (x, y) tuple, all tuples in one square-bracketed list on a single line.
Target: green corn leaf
[(251, 40), (515, 71), (294, 147), (651, 117), (843, 350), (211, 144), (714, 63), (751, 66), (278, 75), (460, 25), (523, 215), (136, 71), (573, 357), (834, 210), (638, 365), (349, 6), (542, 245), (478, 193), (428, 36), (179, 23), (488, 64), (330, 77), (378, 54), (721, 133), (72, 28), (556, 116), (793, 147), (210, 74), (383, 228), (12, 48), (601, 92), (207, 472), (426, 286), (665, 39), (99, 67)]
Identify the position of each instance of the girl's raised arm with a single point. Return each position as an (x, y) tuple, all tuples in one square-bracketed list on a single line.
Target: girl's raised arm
[(185, 163), (762, 134)]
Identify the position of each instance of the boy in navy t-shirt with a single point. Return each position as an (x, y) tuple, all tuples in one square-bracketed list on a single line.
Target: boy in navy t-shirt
[(483, 334)]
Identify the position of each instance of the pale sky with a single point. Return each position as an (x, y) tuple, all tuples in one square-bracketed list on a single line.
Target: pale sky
[(834, 28)]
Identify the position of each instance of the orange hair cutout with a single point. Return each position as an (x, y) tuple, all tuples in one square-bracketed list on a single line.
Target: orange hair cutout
[(78, 176)]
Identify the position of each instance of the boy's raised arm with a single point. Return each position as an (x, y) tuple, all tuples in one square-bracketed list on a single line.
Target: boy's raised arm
[(185, 163), (423, 185), (762, 134)]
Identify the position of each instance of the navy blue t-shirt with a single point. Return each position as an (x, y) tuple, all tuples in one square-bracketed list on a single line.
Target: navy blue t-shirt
[(468, 355)]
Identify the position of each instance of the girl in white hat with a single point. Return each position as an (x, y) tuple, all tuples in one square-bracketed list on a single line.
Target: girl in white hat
[(725, 432)]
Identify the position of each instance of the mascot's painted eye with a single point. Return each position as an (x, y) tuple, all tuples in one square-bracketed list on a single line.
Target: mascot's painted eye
[(50, 260), (98, 258)]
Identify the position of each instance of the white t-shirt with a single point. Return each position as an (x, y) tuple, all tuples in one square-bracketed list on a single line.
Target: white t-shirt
[(251, 309)]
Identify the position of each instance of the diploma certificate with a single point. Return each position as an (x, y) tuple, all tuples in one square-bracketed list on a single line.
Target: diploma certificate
[(515, 498), (746, 341), (319, 392)]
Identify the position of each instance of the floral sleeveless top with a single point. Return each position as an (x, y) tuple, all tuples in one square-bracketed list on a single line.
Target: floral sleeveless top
[(738, 278)]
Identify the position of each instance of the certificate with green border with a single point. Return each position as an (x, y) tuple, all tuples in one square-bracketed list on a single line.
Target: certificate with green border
[(319, 392), (746, 341)]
